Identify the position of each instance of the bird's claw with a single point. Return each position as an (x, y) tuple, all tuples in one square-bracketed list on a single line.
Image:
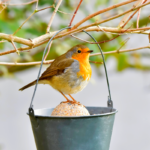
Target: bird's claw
[(71, 102)]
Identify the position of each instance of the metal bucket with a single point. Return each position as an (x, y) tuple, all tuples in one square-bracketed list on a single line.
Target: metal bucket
[(75, 132)]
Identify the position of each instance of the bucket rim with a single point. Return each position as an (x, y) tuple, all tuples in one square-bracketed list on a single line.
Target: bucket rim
[(114, 111)]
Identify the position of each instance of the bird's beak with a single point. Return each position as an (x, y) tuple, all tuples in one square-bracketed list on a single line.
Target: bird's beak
[(89, 51)]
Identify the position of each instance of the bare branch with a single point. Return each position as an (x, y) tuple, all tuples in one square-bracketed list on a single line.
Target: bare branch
[(53, 15), (44, 8), (100, 41), (22, 3), (75, 13), (102, 11), (44, 38), (15, 39), (15, 47), (117, 30), (37, 4), (26, 64), (24, 22), (121, 24), (50, 61), (100, 22), (30, 17), (138, 17), (131, 16), (121, 51), (124, 42)]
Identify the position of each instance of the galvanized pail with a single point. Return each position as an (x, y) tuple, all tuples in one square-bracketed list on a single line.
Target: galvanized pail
[(75, 132)]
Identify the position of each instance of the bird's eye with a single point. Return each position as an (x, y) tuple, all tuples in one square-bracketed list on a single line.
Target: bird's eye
[(79, 51)]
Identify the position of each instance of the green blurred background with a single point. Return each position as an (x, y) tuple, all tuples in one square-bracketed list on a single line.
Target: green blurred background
[(12, 17)]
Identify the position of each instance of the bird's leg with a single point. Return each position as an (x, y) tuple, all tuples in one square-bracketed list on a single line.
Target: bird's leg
[(68, 101), (74, 101)]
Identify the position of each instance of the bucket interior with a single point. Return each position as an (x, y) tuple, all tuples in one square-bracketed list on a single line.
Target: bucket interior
[(94, 111)]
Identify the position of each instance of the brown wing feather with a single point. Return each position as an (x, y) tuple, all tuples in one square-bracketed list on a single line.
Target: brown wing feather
[(56, 70)]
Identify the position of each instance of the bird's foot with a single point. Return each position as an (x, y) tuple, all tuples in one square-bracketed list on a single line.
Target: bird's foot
[(68, 101), (71, 102)]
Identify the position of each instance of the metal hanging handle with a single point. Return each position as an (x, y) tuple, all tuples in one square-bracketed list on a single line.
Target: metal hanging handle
[(31, 106), (109, 103)]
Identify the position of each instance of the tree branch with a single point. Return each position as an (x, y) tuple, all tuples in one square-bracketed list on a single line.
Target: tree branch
[(22, 3), (75, 13), (44, 38), (50, 61), (131, 16), (31, 16), (101, 11), (53, 15), (122, 22), (9, 38), (105, 20)]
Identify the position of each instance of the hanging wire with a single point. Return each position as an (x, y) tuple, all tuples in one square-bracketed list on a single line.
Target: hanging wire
[(109, 103), (42, 64)]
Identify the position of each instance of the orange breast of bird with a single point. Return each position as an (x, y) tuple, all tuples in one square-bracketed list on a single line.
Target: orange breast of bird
[(85, 69)]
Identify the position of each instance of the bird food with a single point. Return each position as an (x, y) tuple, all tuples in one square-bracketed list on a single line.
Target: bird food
[(70, 109)]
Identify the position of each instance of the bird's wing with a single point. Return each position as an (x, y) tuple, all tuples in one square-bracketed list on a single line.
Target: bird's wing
[(56, 70)]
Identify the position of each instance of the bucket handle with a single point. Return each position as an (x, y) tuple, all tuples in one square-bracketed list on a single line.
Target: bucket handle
[(109, 102)]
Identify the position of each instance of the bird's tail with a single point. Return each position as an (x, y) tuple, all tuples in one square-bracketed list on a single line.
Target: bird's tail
[(28, 85)]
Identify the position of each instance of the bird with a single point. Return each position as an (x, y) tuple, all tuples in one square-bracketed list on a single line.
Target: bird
[(69, 73)]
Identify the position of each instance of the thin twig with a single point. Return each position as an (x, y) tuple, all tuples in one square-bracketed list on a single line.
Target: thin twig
[(64, 12), (3, 41), (26, 64), (22, 3), (24, 22), (15, 47), (121, 51), (131, 16), (75, 13), (53, 15), (30, 17), (128, 14), (116, 30), (138, 16), (50, 61), (37, 2), (44, 8), (124, 42)]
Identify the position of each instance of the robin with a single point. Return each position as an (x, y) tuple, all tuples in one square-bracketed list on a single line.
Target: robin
[(68, 73)]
